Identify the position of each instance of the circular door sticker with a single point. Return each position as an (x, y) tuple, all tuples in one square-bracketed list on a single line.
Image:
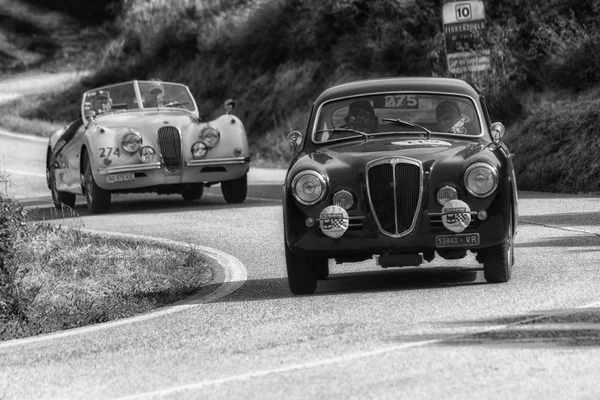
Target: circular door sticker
[(333, 221), (456, 215)]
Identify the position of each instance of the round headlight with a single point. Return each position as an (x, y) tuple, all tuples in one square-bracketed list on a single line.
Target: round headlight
[(199, 150), (147, 154), (344, 199), (308, 187), (446, 194), (132, 142), (210, 136), (481, 179)]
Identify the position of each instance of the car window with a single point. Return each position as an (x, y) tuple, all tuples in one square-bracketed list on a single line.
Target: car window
[(161, 94), (110, 99), (438, 113)]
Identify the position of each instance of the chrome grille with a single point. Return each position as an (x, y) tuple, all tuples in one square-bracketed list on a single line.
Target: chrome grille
[(395, 190), (169, 141)]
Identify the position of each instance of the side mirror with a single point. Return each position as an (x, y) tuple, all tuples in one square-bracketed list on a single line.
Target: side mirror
[(229, 105), (498, 131), (296, 138)]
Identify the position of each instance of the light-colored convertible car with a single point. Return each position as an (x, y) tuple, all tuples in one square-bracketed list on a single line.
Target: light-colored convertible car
[(146, 136)]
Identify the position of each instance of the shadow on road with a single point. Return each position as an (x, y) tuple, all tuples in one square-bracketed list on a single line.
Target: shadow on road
[(565, 241), (134, 205), (565, 219), (566, 328), (361, 282)]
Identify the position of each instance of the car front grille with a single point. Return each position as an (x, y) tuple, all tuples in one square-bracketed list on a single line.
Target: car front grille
[(169, 141), (395, 188)]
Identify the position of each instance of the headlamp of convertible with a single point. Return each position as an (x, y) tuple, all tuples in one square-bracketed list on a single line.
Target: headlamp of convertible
[(132, 141), (309, 187), (210, 136), (146, 154), (481, 179), (199, 150)]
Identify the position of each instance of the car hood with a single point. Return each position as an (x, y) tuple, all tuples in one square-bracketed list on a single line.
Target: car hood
[(417, 148), (148, 121)]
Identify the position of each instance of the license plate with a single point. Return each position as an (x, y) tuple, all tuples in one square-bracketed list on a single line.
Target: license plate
[(128, 176), (458, 240)]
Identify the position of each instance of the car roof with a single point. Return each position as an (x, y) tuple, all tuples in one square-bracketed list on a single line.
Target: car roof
[(397, 84)]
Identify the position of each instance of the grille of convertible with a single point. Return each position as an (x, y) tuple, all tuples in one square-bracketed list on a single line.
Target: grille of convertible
[(169, 141), (395, 190)]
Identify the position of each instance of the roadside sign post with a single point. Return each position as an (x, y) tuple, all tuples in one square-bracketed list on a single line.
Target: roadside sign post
[(464, 32)]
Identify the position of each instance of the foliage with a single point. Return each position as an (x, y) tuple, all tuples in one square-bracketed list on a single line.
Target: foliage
[(13, 232), (54, 278), (274, 57)]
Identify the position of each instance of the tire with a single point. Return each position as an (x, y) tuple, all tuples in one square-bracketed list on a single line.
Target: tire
[(59, 199), (98, 199), (193, 192), (301, 276), (498, 260), (321, 268), (235, 191)]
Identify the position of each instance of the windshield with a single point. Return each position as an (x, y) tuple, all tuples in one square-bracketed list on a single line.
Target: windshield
[(162, 94), (122, 97), (397, 113)]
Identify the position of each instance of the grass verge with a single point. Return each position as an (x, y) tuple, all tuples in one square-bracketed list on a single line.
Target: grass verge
[(54, 278)]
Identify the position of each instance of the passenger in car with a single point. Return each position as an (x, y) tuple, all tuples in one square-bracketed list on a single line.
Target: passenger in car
[(450, 118)]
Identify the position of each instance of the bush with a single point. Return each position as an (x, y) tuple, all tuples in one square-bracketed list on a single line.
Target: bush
[(13, 231)]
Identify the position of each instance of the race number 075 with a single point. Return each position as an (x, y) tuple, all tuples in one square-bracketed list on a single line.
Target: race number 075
[(463, 12)]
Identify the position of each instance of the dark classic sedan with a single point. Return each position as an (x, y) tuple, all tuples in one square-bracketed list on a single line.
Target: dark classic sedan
[(399, 170)]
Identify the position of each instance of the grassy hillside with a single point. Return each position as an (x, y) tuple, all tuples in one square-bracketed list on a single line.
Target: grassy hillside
[(275, 56)]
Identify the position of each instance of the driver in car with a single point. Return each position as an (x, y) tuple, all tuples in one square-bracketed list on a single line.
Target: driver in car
[(102, 102), (361, 116)]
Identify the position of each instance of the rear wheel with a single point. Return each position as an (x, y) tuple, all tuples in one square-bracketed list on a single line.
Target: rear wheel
[(98, 199), (235, 191), (193, 192), (60, 199), (301, 276), (498, 260)]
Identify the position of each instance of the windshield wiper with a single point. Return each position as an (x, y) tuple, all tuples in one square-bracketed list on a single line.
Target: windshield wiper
[(340, 130), (409, 124)]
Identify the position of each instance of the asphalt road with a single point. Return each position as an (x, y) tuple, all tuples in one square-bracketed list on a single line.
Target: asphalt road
[(438, 331)]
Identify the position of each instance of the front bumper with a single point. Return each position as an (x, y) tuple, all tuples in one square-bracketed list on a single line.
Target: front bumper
[(155, 174), (364, 237)]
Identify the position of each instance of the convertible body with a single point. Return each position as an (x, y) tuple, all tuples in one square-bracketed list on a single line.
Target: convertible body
[(404, 190), (128, 141)]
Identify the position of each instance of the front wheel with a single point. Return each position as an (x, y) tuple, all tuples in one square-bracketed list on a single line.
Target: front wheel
[(498, 260), (301, 276), (321, 268), (193, 192), (98, 199), (235, 191)]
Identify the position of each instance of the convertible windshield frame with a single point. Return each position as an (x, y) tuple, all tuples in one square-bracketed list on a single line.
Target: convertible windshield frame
[(473, 102), (132, 96)]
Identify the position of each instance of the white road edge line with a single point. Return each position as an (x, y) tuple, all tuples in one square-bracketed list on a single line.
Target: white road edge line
[(321, 363), (23, 136), (25, 173), (235, 277)]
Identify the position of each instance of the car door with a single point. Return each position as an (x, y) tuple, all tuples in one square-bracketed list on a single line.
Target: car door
[(68, 174)]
